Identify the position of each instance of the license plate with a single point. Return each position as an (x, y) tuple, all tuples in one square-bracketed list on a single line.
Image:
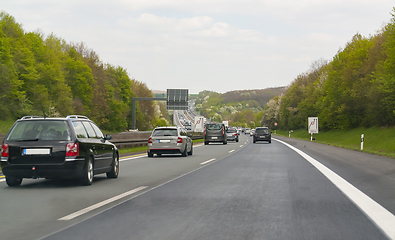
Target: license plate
[(262, 136), (36, 151), (164, 141), (214, 138)]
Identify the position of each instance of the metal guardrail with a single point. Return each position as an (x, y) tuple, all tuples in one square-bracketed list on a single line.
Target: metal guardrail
[(124, 143)]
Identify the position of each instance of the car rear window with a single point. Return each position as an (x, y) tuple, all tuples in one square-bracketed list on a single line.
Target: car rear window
[(165, 132), (262, 130), (231, 130), (213, 126), (39, 130)]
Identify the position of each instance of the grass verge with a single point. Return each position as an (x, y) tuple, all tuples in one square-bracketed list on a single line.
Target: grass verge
[(379, 141)]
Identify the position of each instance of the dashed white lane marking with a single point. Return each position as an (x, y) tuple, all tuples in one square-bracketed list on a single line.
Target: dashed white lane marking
[(211, 160), (378, 214), (144, 155), (241, 145), (231, 151), (100, 204)]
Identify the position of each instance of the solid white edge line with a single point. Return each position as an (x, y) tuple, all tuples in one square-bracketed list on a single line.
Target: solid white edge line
[(2, 180), (100, 204), (211, 160), (384, 219)]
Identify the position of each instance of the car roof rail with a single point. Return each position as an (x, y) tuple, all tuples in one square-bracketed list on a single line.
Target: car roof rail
[(77, 117), (30, 117)]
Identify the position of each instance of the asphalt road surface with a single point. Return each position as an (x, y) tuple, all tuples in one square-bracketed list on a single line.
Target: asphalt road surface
[(289, 189)]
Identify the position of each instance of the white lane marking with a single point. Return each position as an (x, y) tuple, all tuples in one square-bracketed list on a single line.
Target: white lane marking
[(241, 145), (231, 151), (2, 180), (378, 214), (131, 158), (100, 204), (144, 155), (211, 160)]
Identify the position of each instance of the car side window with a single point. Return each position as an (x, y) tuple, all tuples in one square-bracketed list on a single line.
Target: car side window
[(99, 133), (80, 130), (89, 129)]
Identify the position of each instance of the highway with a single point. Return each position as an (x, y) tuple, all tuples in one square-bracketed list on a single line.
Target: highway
[(234, 191)]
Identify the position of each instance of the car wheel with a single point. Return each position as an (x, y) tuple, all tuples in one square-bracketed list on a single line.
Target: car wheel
[(190, 153), (13, 181), (150, 154), (184, 153), (237, 140), (88, 175), (225, 142), (254, 141), (270, 141), (205, 143), (114, 168)]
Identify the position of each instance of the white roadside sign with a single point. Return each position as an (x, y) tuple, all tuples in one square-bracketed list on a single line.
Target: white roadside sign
[(313, 124)]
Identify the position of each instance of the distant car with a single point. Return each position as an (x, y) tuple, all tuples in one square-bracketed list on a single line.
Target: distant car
[(262, 134), (247, 131), (252, 132), (232, 135), (169, 140), (215, 132), (70, 147)]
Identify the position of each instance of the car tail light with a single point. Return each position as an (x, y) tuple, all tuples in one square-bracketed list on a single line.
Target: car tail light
[(5, 152), (179, 140), (223, 132), (72, 150), (150, 140)]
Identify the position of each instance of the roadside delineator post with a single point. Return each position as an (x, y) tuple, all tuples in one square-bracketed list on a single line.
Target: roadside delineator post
[(362, 137)]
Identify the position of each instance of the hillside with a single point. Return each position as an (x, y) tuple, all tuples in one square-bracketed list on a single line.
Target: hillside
[(240, 107)]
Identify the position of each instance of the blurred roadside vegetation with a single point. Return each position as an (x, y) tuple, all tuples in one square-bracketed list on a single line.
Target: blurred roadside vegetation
[(45, 75), (355, 89)]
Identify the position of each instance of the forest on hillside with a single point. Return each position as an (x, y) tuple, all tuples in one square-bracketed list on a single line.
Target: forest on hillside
[(45, 75), (355, 89), (240, 107)]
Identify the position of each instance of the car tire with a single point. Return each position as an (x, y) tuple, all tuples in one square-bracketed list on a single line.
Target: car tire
[(185, 153), (237, 140), (254, 141), (150, 154), (190, 153), (205, 143), (87, 179), (225, 142), (270, 141), (114, 168), (13, 181)]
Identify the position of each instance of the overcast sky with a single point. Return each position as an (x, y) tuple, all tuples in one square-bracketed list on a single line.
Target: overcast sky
[(218, 45)]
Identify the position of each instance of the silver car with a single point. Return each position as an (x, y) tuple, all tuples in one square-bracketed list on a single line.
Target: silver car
[(169, 140)]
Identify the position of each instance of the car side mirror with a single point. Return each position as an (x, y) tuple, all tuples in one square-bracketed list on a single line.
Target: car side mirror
[(190, 135), (108, 137)]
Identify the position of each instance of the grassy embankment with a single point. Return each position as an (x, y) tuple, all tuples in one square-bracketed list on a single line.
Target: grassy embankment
[(380, 141)]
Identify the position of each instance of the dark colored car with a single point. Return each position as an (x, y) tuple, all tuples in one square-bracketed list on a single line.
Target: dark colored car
[(262, 134), (72, 147), (232, 134), (215, 132)]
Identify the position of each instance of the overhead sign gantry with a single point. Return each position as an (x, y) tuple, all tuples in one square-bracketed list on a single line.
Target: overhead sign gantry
[(177, 99)]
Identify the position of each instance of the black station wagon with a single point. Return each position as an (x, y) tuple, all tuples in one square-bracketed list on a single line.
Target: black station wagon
[(71, 148)]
